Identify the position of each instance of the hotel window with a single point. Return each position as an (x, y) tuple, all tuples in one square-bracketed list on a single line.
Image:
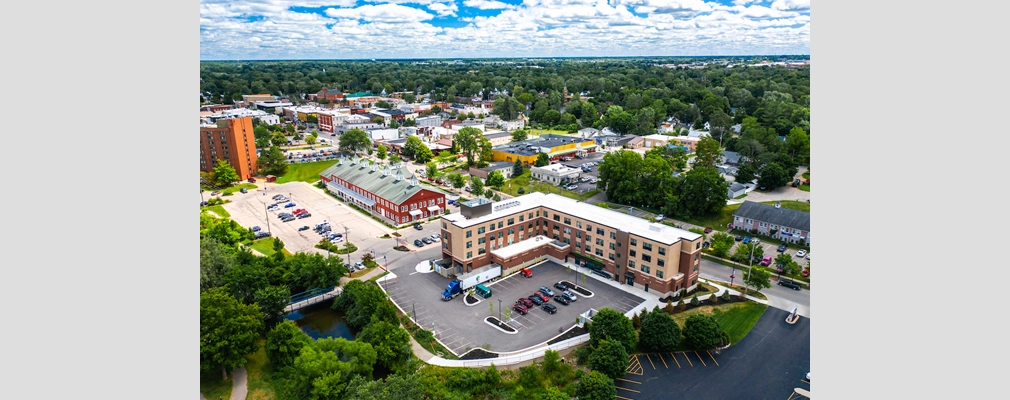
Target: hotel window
[(589, 228), (568, 230), (578, 234), (568, 221), (661, 262), (512, 231), (634, 242), (578, 224), (697, 246), (646, 257), (491, 227), (647, 246), (522, 227), (469, 233), (499, 234), (531, 214), (662, 250), (546, 214), (588, 248), (613, 235), (599, 231), (557, 218), (599, 242), (521, 218), (599, 252), (659, 274), (469, 244), (567, 241), (481, 240), (611, 256), (696, 257), (613, 247), (631, 253), (479, 231), (481, 251), (631, 265), (530, 226), (645, 268), (511, 221)]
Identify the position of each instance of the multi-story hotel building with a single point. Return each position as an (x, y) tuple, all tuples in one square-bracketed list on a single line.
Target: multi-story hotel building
[(527, 229), (231, 140)]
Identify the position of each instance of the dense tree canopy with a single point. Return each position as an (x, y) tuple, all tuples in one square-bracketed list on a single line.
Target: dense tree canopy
[(609, 358), (228, 330), (613, 326), (659, 332), (354, 140), (224, 174)]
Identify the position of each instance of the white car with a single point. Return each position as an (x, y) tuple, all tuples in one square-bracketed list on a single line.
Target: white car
[(659, 217), (808, 256), (359, 266), (435, 238), (801, 253)]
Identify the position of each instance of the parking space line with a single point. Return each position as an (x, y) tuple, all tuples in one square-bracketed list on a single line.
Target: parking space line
[(713, 358), (700, 359), (650, 362), (635, 366), (629, 380), (675, 360), (664, 361), (687, 358), (622, 398), (630, 390)]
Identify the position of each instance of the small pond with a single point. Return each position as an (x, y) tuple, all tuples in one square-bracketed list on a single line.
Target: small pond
[(321, 321)]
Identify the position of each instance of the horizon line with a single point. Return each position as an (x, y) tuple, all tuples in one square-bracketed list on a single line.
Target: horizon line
[(497, 58)]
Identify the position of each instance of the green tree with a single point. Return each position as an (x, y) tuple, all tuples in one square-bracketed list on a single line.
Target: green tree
[(702, 191), (396, 386), (445, 157), (272, 300), (311, 270), (260, 132), (506, 107), (518, 169), (489, 193), (273, 162), (495, 179), (224, 174), (278, 139), (409, 122), (476, 185), (310, 140), (423, 155), (596, 386), (772, 176), (354, 140), (757, 278), (743, 252), (228, 330), (614, 326), (721, 244), (745, 173), (393, 123), (284, 343), (431, 170), (216, 261), (708, 153), (278, 245), (381, 152), (409, 98), (468, 139), (391, 343), (542, 160), (610, 358), (244, 279), (456, 180), (659, 332), (412, 146), (519, 135), (702, 332), (362, 302)]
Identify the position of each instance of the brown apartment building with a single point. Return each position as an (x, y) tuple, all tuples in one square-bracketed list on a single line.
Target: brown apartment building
[(528, 229), (231, 140)]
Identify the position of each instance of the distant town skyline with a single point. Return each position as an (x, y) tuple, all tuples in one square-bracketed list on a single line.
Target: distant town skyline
[(391, 29)]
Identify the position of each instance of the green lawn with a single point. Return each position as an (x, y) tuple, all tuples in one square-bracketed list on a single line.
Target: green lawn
[(806, 175), (266, 247), (218, 209), (805, 188), (305, 172), (212, 387), (236, 188), (524, 181), (737, 319), (258, 375)]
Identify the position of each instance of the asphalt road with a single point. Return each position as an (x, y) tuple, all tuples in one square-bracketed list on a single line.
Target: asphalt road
[(778, 296)]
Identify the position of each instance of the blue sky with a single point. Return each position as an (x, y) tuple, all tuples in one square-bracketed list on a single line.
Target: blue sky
[(355, 29)]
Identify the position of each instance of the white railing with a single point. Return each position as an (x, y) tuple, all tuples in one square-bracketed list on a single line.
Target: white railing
[(524, 355)]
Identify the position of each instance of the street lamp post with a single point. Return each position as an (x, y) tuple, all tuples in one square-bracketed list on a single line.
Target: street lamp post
[(266, 216), (499, 310), (347, 239)]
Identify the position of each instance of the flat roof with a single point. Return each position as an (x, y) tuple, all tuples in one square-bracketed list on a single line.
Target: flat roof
[(519, 247), (643, 228)]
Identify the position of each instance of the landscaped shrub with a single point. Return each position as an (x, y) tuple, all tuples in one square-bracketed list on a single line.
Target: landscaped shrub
[(694, 301)]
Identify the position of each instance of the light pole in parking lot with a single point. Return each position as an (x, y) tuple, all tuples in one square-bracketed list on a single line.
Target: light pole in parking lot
[(499, 310), (347, 239), (266, 215)]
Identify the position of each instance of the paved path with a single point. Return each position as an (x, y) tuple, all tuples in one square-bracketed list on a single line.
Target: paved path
[(239, 384)]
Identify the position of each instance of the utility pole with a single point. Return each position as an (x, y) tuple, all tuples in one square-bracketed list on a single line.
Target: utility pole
[(266, 215), (347, 238), (499, 310)]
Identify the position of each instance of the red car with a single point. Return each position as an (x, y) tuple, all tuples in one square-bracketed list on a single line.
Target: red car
[(299, 211), (543, 297), (525, 302), (527, 273), (708, 230), (806, 272), (520, 308)]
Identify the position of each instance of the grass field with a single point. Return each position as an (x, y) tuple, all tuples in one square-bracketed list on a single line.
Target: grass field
[(736, 319), (524, 181), (258, 374), (218, 209), (212, 387), (305, 172), (266, 247)]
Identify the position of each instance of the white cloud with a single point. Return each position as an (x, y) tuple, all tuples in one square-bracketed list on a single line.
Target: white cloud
[(486, 4), (443, 9), (791, 5), (382, 13)]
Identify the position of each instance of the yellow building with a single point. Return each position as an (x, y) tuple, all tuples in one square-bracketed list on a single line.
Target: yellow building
[(556, 147)]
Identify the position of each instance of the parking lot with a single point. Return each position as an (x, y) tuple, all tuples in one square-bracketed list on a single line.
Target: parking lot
[(773, 359), (594, 172), (250, 209), (460, 327)]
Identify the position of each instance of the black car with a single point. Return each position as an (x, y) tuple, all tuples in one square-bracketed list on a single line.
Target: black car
[(418, 227), (560, 286), (243, 190), (288, 219), (304, 228), (706, 245), (262, 234), (255, 229), (550, 308), (562, 299), (782, 248), (418, 243), (304, 215), (789, 284), (738, 238), (536, 299)]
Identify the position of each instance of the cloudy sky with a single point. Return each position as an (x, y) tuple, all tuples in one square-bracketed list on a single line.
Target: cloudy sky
[(356, 29)]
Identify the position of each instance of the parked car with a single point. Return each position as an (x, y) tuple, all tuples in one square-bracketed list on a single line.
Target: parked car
[(418, 243), (708, 230), (536, 299), (520, 308), (746, 239), (299, 211), (796, 183), (277, 196), (569, 295), (562, 299), (706, 245), (418, 226), (789, 284), (806, 272), (543, 296), (359, 266), (766, 261), (304, 215), (808, 256), (426, 240), (526, 272), (560, 286), (243, 190), (262, 234), (738, 238), (435, 238), (546, 290), (800, 253), (524, 301), (288, 219), (273, 208), (782, 248), (660, 217), (550, 308), (255, 229), (289, 205), (304, 228)]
